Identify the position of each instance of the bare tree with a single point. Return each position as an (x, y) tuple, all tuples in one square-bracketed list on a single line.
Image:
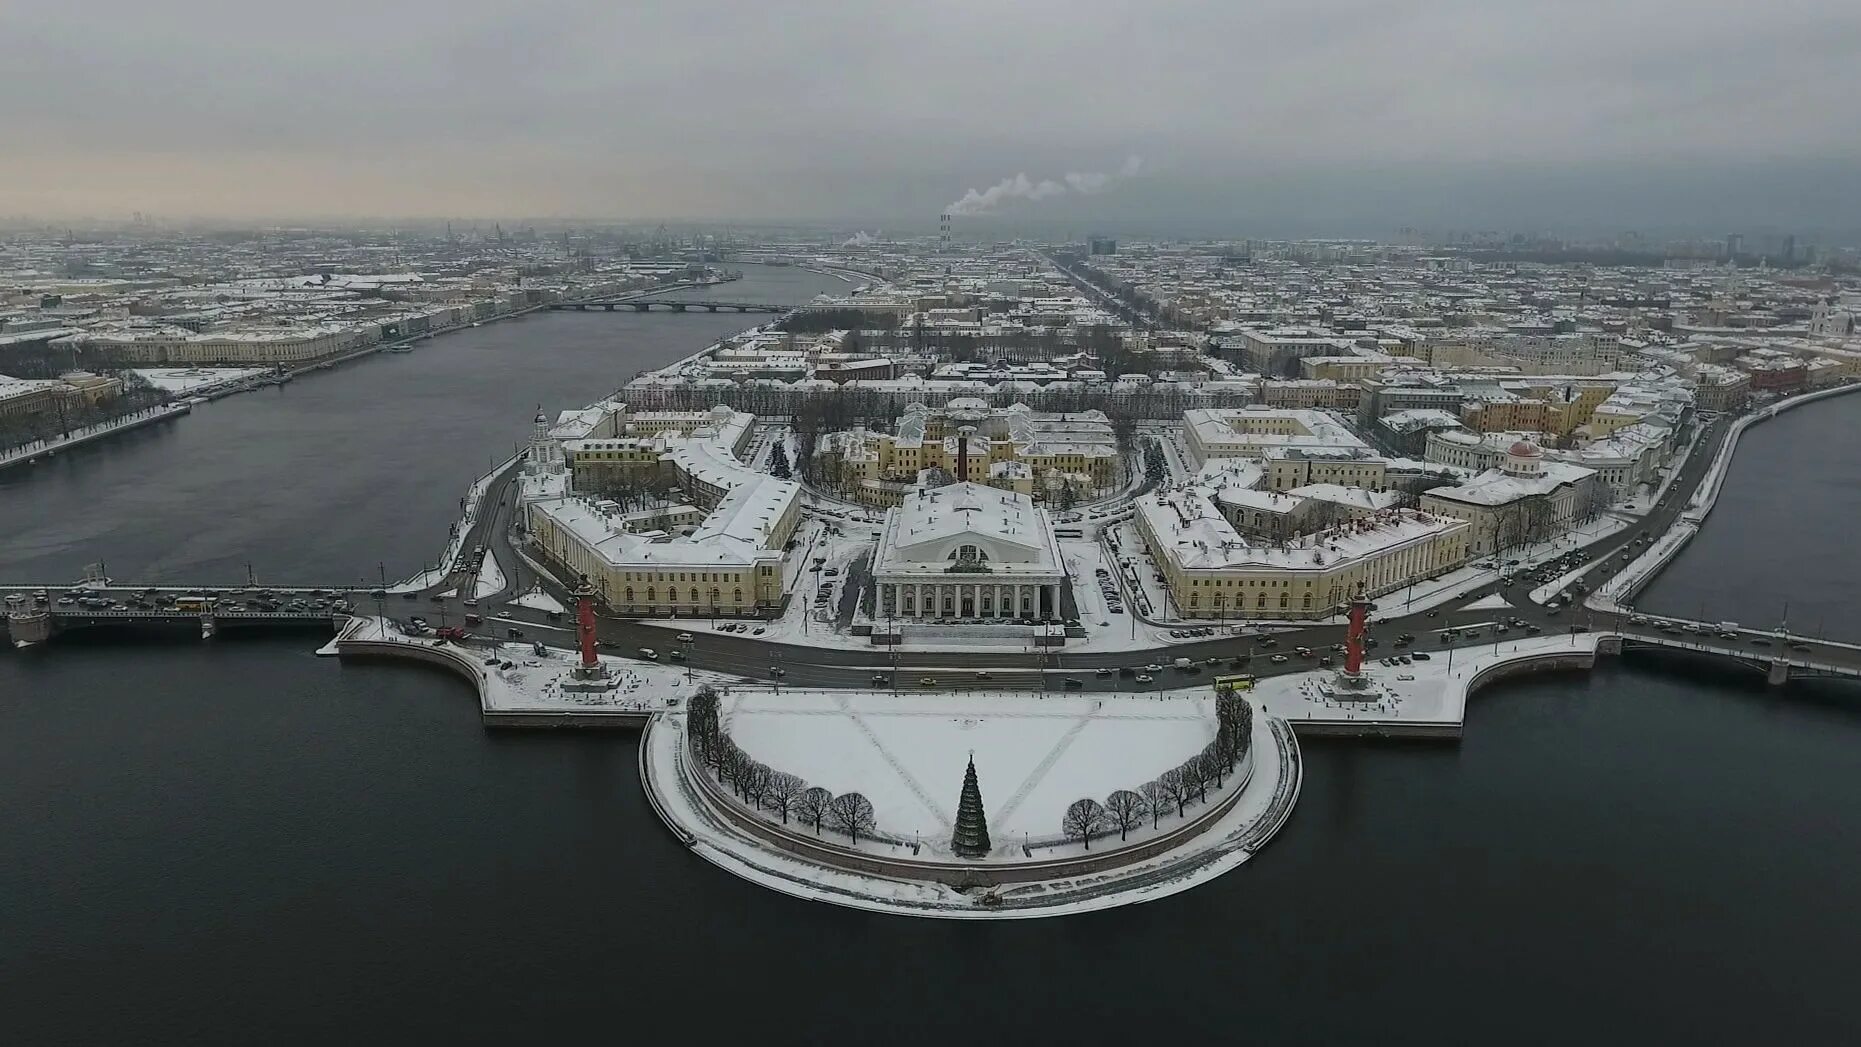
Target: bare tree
[(811, 806), (756, 783), (1127, 810), (729, 757), (1176, 787), (1082, 819), (852, 814), (1212, 763), (1157, 798), (1194, 781), (782, 793)]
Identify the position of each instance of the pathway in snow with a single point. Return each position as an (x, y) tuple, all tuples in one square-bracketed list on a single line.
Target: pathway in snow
[(1494, 602), (1040, 770), (936, 810)]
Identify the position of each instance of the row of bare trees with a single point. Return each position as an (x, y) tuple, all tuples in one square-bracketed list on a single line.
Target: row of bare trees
[(1173, 790), (766, 789), (66, 414)]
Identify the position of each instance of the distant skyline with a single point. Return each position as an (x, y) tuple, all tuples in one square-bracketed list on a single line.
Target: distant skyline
[(1272, 118)]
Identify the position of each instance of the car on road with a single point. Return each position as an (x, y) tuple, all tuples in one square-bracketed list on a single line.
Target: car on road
[(1421, 656), (1144, 677), (677, 656), (776, 670), (927, 681), (1760, 641), (649, 654), (1279, 659), (684, 638), (1153, 667), (1104, 672), (759, 630), (982, 674), (1073, 681)]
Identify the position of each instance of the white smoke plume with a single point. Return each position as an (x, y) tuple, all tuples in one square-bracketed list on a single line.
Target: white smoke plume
[(1021, 187)]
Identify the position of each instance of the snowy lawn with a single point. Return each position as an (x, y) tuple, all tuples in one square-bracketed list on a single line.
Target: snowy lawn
[(538, 600), (906, 752), (490, 577)]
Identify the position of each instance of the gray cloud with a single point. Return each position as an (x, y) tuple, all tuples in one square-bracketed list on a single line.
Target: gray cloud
[(731, 109)]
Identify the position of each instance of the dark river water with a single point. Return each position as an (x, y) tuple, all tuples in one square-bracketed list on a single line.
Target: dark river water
[(240, 842)]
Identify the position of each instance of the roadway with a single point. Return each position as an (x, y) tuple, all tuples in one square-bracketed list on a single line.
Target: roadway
[(824, 666), (805, 665)]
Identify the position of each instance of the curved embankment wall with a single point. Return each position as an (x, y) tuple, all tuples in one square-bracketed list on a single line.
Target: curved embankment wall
[(464, 663), (954, 874)]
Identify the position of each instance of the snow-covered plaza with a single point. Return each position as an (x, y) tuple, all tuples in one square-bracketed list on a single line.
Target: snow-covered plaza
[(1039, 762)]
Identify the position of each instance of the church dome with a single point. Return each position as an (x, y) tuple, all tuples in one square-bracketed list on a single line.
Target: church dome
[(1525, 449)]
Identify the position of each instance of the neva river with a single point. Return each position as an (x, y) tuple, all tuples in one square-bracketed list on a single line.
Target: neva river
[(239, 842)]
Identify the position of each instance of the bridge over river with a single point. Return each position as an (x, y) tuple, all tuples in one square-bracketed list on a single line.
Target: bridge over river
[(1776, 653)]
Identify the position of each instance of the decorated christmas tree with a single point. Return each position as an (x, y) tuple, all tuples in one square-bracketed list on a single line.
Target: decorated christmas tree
[(971, 839)]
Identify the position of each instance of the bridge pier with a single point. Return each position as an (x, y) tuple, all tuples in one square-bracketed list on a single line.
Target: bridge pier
[(1779, 673), (208, 627)]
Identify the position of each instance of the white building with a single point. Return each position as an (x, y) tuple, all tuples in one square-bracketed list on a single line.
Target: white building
[(1525, 499), (1255, 431), (970, 553), (1214, 571), (720, 553)]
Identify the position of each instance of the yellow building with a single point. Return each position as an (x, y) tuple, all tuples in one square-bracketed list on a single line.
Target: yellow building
[(1013, 449), (1213, 571), (720, 554)]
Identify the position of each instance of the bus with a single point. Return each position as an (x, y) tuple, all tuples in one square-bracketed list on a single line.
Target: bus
[(193, 602), (1235, 682)]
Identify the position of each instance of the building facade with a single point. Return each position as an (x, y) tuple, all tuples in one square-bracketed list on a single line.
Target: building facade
[(968, 553)]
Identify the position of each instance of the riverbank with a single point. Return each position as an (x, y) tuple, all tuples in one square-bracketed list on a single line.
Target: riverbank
[(32, 453), (1621, 589), (518, 685), (1220, 836)]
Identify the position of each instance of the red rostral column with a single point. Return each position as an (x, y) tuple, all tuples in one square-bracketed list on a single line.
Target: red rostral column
[(584, 617), (1353, 639)]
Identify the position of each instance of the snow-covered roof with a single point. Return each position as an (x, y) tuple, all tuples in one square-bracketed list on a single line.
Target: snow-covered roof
[(1497, 487), (924, 534), (1193, 532)]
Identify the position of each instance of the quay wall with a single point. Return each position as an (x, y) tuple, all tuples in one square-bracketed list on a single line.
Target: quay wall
[(1624, 586), (464, 663), (953, 873)]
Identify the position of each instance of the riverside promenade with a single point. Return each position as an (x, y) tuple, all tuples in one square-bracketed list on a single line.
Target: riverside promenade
[(33, 452)]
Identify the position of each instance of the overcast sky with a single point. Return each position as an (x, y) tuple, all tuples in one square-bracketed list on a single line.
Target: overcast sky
[(1294, 115)]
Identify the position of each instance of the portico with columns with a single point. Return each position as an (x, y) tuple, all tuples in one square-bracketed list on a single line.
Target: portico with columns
[(966, 552)]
